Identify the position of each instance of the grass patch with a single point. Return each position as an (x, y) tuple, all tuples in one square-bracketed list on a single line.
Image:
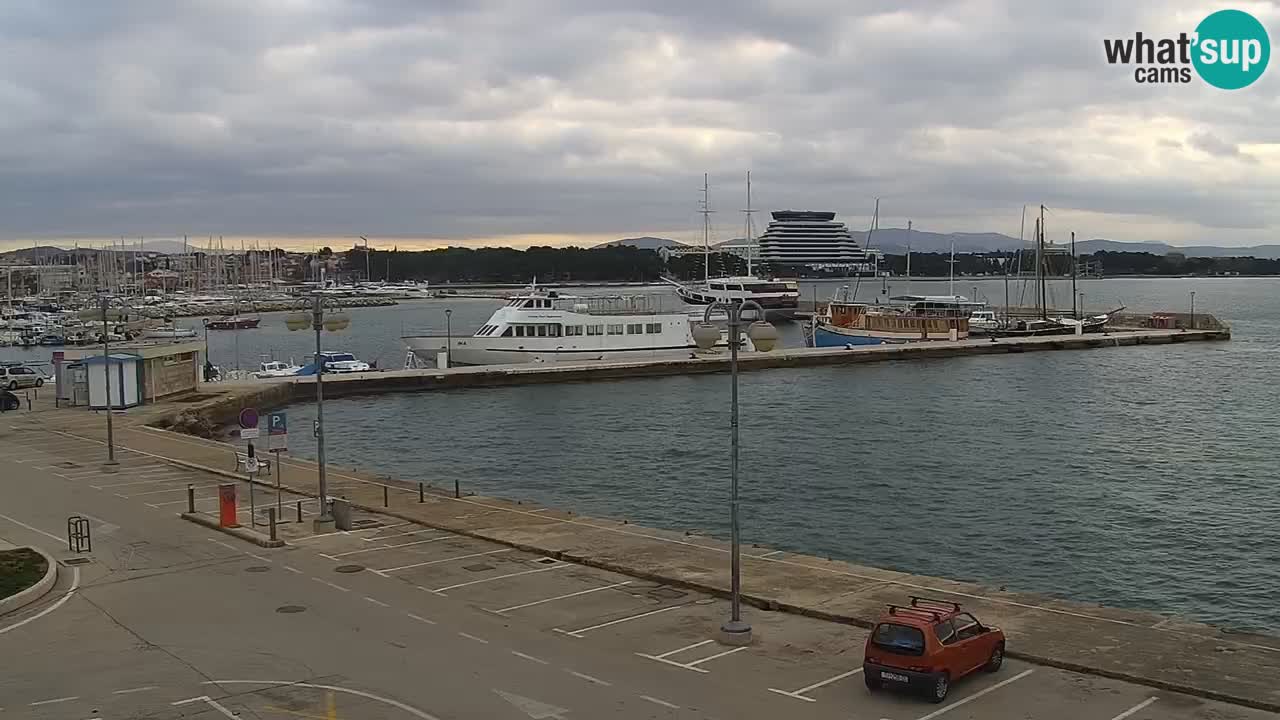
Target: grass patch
[(19, 570)]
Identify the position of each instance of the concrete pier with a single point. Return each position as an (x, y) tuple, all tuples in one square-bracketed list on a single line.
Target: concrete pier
[(268, 393)]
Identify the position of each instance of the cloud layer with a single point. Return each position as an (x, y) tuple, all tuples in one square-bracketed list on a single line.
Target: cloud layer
[(474, 121)]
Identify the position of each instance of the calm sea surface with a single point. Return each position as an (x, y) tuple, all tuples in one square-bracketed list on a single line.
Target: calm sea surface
[(1142, 477)]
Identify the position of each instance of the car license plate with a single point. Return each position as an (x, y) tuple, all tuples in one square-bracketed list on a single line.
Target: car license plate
[(894, 677)]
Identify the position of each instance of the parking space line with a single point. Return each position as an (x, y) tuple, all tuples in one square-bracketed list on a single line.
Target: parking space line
[(391, 547), (588, 678), (403, 534), (561, 597), (771, 554), (441, 560), (1135, 709), (975, 696), (578, 633), (335, 587), (686, 647), (799, 694), (134, 690), (531, 658), (657, 701), (172, 489), (136, 482), (695, 663), (53, 701), (421, 619), (376, 601), (500, 577), (179, 502), (468, 636), (680, 665)]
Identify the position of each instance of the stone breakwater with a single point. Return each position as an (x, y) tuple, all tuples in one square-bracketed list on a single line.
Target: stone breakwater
[(258, 306)]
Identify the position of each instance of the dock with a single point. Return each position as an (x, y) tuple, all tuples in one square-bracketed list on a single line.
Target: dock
[(283, 391)]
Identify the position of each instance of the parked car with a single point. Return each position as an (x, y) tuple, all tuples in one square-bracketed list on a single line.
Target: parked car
[(13, 377), (9, 401), (927, 646)]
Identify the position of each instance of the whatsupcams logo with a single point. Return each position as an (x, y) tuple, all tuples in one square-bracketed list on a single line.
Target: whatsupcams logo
[(1229, 49)]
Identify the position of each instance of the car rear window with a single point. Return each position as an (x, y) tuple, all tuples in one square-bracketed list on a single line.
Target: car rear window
[(901, 639)]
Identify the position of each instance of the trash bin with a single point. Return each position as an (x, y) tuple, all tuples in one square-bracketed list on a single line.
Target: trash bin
[(341, 513)]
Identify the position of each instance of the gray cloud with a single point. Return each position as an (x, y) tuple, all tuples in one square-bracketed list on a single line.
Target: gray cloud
[(465, 119)]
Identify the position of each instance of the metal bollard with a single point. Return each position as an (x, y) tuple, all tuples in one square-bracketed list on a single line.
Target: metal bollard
[(191, 498), (457, 490), (421, 497), (299, 511), (271, 520), (386, 498)]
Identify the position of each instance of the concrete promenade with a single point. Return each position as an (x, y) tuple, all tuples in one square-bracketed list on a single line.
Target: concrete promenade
[(1136, 646)]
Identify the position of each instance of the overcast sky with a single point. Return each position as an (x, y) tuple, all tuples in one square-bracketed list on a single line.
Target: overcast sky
[(557, 121)]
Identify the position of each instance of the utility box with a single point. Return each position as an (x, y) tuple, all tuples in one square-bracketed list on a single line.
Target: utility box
[(341, 513), (126, 381)]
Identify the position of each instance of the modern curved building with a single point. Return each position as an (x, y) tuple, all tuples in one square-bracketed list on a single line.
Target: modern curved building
[(815, 242)]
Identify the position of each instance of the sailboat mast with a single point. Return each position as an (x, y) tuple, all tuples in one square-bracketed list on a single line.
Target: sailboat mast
[(749, 228), (951, 282), (1075, 312), (706, 229), (908, 257), (1044, 300)]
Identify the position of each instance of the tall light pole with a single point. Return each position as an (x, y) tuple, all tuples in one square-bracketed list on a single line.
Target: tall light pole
[(333, 323), (763, 336), (448, 337), (367, 276), (104, 308), (1193, 309)]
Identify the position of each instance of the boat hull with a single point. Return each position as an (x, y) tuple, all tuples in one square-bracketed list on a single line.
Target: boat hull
[(476, 351)]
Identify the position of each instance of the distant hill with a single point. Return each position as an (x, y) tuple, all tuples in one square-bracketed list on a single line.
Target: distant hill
[(643, 243)]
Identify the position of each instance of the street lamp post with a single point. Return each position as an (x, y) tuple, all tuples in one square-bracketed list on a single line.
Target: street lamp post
[(333, 323), (763, 336), (1193, 309), (104, 308), (448, 337)]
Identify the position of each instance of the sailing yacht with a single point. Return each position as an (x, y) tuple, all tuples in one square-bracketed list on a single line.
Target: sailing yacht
[(779, 298)]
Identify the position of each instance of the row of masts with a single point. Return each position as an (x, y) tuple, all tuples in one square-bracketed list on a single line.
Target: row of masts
[(748, 230)]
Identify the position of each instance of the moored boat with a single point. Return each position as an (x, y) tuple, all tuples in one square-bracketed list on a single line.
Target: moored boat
[(234, 322), (922, 318)]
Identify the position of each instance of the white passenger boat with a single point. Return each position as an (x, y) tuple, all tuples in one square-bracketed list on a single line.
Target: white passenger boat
[(546, 326)]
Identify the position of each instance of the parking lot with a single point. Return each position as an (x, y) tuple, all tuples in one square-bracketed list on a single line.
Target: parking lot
[(796, 664)]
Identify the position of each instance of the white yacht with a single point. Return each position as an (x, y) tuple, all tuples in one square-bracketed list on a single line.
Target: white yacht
[(546, 326), (276, 369)]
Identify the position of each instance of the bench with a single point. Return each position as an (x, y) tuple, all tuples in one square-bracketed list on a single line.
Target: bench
[(242, 461)]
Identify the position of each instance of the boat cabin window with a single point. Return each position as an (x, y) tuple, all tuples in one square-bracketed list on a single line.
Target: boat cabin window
[(715, 286), (595, 329), (510, 331), (732, 287), (519, 330), (653, 327), (571, 330), (635, 328), (615, 329)]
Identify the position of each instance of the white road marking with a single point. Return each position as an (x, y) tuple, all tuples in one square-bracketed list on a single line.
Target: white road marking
[(580, 631), (180, 502), (376, 601), (421, 619), (208, 701), (771, 554), (391, 547), (588, 678), (144, 688), (232, 548), (975, 696), (55, 700), (358, 693), (313, 537), (136, 482), (799, 694), (169, 490), (1136, 708), (673, 663), (519, 654), (473, 637), (444, 560), (663, 703), (501, 577), (376, 538), (60, 540), (686, 647), (562, 597), (75, 583), (335, 587), (718, 655), (294, 570)]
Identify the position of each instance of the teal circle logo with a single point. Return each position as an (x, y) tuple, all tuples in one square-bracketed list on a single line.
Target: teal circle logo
[(1232, 49)]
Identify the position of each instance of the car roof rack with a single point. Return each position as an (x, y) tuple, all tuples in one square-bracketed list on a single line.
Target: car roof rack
[(920, 601), (919, 612)]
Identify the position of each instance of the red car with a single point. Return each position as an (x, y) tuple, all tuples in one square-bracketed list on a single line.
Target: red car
[(928, 645)]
